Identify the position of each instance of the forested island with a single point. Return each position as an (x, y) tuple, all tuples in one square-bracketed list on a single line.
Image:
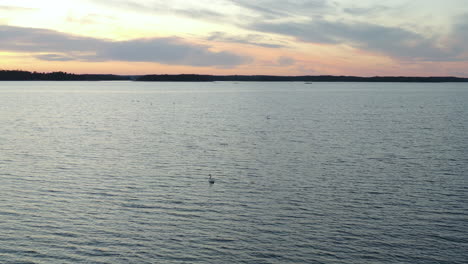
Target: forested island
[(17, 75), (6, 75), (271, 78)]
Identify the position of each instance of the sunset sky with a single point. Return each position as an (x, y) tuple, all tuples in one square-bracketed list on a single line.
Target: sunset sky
[(276, 37)]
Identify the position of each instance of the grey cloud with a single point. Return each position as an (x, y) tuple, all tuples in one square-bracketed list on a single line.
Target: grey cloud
[(365, 10), (43, 40), (460, 34), (169, 51), (392, 41), (261, 9), (280, 17), (199, 13), (305, 32), (61, 47), (250, 39), (277, 9), (286, 61)]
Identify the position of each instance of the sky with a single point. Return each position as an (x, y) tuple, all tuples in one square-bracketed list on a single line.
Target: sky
[(273, 37)]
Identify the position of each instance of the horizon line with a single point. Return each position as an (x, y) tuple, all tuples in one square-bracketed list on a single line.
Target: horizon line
[(242, 75)]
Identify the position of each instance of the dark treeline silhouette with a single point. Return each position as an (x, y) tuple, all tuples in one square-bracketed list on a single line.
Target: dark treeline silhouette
[(56, 76), (270, 78), (17, 75)]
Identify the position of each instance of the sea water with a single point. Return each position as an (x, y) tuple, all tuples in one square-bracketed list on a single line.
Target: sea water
[(117, 172)]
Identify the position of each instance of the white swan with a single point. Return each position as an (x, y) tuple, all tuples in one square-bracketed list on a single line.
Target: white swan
[(211, 180)]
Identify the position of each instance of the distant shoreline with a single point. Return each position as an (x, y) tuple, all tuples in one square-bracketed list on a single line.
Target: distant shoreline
[(16, 75)]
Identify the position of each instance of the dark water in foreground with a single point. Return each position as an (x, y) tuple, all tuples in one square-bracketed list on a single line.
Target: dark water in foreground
[(109, 172)]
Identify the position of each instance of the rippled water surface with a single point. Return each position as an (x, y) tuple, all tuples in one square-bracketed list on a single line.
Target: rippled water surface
[(117, 172)]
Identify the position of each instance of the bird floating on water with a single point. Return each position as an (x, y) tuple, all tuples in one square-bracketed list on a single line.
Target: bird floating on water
[(211, 180)]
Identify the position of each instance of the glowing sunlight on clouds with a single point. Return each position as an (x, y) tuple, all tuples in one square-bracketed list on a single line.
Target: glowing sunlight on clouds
[(297, 37)]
